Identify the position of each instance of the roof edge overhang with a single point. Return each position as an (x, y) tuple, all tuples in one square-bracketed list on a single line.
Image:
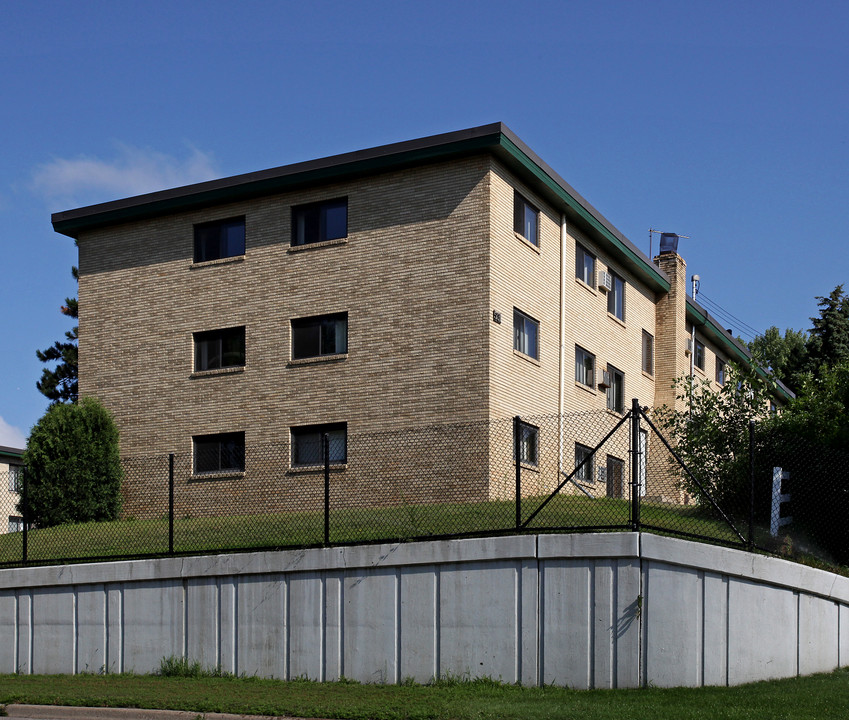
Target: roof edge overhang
[(737, 352), (10, 452), (495, 138)]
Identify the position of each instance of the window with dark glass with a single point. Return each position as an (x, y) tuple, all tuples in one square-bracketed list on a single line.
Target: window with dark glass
[(320, 335), (648, 353), (584, 366), (616, 297), (616, 390), (220, 239), (585, 473), (223, 452), (308, 444), (525, 334), (16, 523), (216, 349), (585, 265), (528, 444), (317, 222), (720, 371), (525, 219), (16, 478), (699, 360)]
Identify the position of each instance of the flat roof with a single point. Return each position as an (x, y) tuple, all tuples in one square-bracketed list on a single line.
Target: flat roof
[(495, 138)]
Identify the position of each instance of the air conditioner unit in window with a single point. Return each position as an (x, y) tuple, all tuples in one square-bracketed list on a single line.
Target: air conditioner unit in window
[(689, 345), (605, 281), (602, 474), (605, 379)]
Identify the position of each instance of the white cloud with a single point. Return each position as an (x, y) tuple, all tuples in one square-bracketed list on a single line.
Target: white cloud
[(10, 436), (132, 171)]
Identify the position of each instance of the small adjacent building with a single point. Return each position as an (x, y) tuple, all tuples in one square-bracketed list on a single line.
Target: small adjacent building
[(452, 279), (11, 478)]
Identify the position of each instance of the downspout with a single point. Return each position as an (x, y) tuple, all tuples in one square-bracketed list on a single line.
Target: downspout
[(561, 400)]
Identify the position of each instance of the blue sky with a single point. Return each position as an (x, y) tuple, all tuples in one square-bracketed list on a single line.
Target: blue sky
[(724, 121)]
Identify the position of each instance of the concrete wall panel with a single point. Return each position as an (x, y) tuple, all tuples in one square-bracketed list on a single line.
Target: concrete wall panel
[(419, 639), (152, 618), (9, 632), (91, 629), (305, 625), (818, 644), (261, 622), (582, 611), (762, 632), (478, 620)]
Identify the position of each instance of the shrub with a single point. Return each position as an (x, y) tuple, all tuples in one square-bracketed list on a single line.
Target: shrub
[(73, 469)]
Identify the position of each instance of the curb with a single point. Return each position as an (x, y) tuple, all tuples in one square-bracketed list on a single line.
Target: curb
[(65, 712)]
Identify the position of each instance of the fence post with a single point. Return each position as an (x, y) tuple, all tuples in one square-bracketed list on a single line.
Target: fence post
[(24, 513), (517, 456), (751, 485), (635, 465), (325, 450), (171, 503)]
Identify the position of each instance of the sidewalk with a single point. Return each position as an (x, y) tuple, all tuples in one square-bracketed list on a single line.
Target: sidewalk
[(63, 712)]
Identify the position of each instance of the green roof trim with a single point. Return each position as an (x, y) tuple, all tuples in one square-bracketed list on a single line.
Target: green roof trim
[(735, 350), (639, 265), (495, 138)]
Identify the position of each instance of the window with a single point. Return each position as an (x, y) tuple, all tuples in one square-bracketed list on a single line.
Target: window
[(616, 390), (528, 444), (224, 452), (585, 473), (648, 353), (320, 335), (584, 367), (700, 355), (616, 297), (525, 334), (307, 444), (585, 265), (216, 349), (525, 219), (720, 371), (16, 478), (773, 408), (220, 239), (16, 523), (317, 222)]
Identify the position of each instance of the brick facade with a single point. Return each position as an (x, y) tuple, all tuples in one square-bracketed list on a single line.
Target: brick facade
[(430, 261)]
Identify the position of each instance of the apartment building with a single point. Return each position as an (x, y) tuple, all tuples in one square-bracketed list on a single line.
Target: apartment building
[(10, 486), (450, 279)]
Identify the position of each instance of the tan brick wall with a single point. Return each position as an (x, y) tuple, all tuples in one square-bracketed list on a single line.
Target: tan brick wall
[(411, 277)]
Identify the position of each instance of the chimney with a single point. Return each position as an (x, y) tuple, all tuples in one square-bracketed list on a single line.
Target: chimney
[(671, 334)]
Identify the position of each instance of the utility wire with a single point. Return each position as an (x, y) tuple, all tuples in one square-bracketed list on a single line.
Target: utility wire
[(715, 307)]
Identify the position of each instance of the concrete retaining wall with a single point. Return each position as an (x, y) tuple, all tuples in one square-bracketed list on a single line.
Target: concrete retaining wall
[(602, 610)]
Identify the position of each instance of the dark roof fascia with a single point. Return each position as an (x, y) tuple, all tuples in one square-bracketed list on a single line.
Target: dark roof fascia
[(16, 453), (266, 182), (496, 138), (737, 352)]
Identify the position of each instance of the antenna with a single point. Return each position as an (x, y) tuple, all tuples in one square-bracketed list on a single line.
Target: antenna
[(652, 231)]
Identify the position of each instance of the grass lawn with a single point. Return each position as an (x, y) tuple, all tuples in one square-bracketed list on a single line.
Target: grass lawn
[(297, 529), (815, 697)]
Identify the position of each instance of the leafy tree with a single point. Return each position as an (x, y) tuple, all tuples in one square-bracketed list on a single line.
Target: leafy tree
[(786, 356), (712, 435), (829, 339), (60, 383), (73, 470)]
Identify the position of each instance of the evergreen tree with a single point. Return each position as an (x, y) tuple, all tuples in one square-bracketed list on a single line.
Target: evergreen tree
[(829, 339), (60, 383)]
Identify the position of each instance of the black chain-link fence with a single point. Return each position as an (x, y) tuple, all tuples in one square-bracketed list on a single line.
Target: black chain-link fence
[(593, 471)]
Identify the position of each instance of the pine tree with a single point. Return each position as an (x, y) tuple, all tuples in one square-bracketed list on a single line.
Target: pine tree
[(60, 383), (829, 338)]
